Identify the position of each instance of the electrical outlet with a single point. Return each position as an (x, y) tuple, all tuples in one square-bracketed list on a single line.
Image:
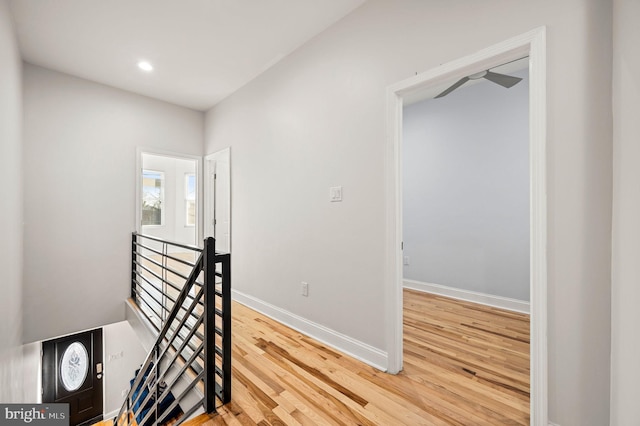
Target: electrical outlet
[(406, 260), (124, 392), (305, 289)]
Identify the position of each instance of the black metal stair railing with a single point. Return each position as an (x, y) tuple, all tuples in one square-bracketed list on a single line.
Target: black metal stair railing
[(184, 291)]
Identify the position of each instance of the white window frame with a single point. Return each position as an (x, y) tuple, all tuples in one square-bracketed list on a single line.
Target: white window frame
[(187, 200)]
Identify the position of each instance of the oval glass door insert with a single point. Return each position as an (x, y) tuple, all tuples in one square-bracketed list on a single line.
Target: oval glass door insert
[(74, 366)]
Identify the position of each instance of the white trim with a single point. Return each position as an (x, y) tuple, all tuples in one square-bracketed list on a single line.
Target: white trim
[(533, 44), (352, 347), (538, 233), (186, 199), (110, 415), (469, 296), (553, 424)]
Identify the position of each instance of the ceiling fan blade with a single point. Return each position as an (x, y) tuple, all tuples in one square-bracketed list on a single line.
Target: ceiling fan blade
[(502, 79), (457, 84)]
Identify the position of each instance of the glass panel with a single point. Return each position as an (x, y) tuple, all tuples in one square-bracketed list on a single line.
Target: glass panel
[(74, 366), (191, 199), (152, 197)]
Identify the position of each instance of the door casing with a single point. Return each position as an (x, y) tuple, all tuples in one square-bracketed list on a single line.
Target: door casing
[(532, 44), (218, 200)]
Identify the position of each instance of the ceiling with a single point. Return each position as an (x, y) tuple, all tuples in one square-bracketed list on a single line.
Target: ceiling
[(201, 50), (429, 92)]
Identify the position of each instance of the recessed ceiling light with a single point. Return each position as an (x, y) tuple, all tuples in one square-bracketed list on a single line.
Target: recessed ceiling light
[(145, 66)]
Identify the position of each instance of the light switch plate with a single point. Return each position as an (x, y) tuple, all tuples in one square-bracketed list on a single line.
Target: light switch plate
[(335, 193)]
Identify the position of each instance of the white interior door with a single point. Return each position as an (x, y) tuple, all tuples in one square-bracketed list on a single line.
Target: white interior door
[(218, 199)]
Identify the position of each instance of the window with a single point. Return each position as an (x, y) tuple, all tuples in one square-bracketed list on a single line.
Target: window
[(152, 197), (190, 199)]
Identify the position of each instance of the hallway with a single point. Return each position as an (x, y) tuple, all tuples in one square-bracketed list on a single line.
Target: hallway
[(283, 377)]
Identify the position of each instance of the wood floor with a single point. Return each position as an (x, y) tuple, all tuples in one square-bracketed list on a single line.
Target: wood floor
[(464, 364)]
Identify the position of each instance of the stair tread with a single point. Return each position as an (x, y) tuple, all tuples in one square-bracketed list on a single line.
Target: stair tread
[(200, 419)]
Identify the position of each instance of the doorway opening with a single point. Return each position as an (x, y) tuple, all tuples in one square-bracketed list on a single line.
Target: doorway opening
[(465, 178), (217, 214), (531, 44), (167, 209), (168, 198), (72, 373)]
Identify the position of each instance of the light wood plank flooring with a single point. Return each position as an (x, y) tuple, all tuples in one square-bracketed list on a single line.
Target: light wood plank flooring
[(465, 364)]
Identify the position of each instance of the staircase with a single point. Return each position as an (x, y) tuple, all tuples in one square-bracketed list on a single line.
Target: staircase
[(182, 293)]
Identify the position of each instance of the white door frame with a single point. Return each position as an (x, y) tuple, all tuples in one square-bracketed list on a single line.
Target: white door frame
[(207, 190), (532, 44), (142, 150)]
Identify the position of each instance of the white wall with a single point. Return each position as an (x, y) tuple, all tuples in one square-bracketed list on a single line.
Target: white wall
[(32, 372), (123, 354), (625, 341), (80, 174), (317, 119), (466, 189), (11, 212)]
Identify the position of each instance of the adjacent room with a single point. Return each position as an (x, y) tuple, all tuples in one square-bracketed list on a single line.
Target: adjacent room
[(466, 239)]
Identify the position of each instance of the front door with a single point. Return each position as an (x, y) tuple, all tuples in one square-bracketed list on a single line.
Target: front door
[(72, 373)]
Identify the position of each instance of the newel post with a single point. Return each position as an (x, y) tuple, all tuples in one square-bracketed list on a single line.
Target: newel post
[(209, 325)]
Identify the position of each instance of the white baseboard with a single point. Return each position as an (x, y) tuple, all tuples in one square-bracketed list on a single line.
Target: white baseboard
[(352, 347), (470, 296), (110, 415)]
